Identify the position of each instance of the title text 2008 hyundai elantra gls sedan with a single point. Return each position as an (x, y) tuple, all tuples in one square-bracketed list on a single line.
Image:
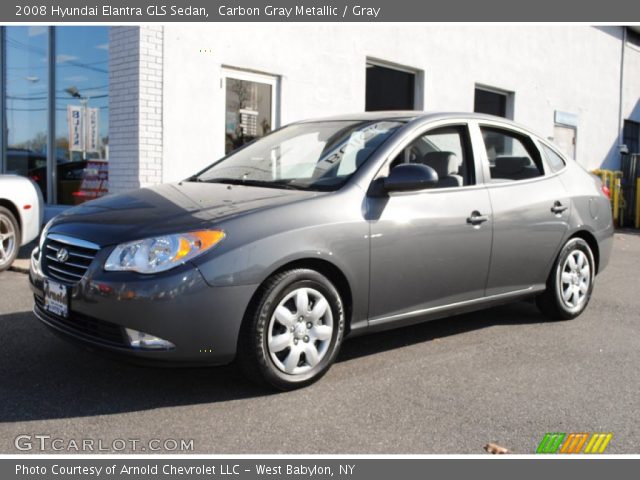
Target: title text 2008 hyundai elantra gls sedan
[(321, 230)]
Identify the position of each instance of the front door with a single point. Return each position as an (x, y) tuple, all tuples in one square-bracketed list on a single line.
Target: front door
[(431, 247)]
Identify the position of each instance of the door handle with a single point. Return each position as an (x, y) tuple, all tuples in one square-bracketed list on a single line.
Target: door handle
[(477, 218), (558, 208)]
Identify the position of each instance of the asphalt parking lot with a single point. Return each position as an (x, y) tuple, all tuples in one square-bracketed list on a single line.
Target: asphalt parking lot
[(450, 386)]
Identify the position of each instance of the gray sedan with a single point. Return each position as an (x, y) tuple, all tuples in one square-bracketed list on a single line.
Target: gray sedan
[(325, 229)]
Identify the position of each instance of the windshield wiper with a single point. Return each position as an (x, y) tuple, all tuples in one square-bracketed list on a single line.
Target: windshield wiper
[(249, 182), (192, 178)]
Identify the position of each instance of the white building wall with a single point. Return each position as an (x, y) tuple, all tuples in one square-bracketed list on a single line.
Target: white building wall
[(631, 85), (322, 72)]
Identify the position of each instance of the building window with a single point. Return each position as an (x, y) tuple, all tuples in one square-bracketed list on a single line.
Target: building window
[(493, 102), (390, 88), (250, 110), (633, 36), (26, 77), (82, 115), (631, 136), (77, 73)]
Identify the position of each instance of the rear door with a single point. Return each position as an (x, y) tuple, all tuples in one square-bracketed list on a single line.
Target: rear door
[(531, 210)]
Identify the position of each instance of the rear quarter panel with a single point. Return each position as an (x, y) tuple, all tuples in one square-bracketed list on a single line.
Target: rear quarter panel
[(591, 210)]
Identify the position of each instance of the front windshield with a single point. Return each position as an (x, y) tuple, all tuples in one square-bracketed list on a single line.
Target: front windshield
[(306, 156)]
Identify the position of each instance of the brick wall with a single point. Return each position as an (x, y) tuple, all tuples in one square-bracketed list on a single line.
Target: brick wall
[(135, 107)]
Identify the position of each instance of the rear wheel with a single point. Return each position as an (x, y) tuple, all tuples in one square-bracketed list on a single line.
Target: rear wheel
[(9, 238), (292, 333), (570, 283)]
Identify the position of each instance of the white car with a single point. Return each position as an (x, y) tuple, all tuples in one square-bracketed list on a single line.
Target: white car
[(21, 213)]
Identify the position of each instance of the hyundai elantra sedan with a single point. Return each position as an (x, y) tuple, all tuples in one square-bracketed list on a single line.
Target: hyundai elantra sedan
[(322, 230)]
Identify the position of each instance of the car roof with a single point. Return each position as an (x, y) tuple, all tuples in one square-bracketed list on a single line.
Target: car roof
[(411, 115)]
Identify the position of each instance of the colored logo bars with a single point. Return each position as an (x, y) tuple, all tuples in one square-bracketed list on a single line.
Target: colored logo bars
[(573, 443)]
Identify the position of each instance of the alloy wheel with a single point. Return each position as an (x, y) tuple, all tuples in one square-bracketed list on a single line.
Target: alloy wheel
[(575, 279), (300, 331), (7, 240)]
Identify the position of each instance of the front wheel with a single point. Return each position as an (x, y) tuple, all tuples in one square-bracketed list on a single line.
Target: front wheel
[(570, 282), (292, 333)]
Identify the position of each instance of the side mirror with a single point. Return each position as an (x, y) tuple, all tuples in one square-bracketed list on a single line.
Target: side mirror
[(410, 176)]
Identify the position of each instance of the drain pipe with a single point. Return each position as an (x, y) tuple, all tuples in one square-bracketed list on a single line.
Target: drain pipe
[(621, 98)]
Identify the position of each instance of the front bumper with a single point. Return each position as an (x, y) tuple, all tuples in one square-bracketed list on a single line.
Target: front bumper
[(202, 322)]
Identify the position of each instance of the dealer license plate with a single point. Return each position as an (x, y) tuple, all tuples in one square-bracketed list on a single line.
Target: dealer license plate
[(56, 298)]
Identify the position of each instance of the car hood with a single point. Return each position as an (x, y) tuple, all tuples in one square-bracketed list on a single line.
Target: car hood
[(168, 208)]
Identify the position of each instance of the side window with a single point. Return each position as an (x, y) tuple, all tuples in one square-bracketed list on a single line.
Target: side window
[(555, 161), (512, 156), (447, 150)]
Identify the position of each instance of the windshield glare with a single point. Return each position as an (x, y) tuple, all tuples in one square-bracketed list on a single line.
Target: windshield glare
[(309, 156)]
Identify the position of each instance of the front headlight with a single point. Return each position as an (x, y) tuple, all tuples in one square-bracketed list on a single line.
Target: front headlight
[(158, 254)]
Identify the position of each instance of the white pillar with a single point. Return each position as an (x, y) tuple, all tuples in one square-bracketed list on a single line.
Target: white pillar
[(135, 107)]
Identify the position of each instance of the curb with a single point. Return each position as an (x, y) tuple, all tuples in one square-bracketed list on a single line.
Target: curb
[(20, 266)]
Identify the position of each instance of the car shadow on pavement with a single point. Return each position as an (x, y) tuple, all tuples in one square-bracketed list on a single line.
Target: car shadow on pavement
[(519, 313), (44, 377)]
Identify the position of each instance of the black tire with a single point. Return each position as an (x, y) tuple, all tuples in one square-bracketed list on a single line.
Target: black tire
[(254, 357), (6, 218), (551, 302)]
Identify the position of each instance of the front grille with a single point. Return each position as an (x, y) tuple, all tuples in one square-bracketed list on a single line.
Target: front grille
[(79, 256), (94, 329)]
